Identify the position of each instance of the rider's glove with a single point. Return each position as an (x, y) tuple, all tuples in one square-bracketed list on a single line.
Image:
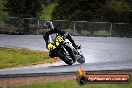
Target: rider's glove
[(51, 46)]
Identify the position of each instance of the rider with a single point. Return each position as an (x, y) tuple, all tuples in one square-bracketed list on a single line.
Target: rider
[(49, 29)]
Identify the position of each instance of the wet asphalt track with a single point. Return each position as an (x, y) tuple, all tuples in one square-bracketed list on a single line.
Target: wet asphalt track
[(101, 53)]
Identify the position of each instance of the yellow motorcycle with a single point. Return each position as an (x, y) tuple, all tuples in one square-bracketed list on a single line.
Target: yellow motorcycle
[(64, 49)]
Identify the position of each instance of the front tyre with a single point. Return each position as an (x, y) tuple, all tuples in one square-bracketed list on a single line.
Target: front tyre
[(66, 54)]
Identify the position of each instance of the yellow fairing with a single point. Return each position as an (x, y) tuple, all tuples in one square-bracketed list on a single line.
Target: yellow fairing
[(51, 46), (58, 40)]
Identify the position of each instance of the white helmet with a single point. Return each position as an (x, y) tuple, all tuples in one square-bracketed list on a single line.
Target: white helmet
[(49, 24)]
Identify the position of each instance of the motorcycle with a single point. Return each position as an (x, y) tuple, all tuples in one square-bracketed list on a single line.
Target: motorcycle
[(64, 50)]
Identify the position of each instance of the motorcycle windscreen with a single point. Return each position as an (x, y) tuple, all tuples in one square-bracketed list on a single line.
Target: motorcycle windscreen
[(52, 38)]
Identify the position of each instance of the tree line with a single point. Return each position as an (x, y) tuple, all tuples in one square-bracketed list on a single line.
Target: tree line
[(89, 10), (94, 10), (73, 10)]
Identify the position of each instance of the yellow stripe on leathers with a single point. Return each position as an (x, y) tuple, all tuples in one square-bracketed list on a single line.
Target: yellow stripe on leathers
[(58, 41)]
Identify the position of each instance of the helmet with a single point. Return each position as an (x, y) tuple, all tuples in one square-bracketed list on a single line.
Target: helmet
[(49, 24)]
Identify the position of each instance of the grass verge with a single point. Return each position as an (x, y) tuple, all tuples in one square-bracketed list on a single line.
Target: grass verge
[(72, 84), (11, 57)]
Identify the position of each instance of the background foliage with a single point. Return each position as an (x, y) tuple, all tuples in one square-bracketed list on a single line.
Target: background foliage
[(89, 10)]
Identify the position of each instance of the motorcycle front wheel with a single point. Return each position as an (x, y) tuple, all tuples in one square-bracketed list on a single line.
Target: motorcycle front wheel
[(66, 54)]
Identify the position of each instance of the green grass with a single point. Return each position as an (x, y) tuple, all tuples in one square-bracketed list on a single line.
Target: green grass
[(11, 57), (72, 84), (47, 11)]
